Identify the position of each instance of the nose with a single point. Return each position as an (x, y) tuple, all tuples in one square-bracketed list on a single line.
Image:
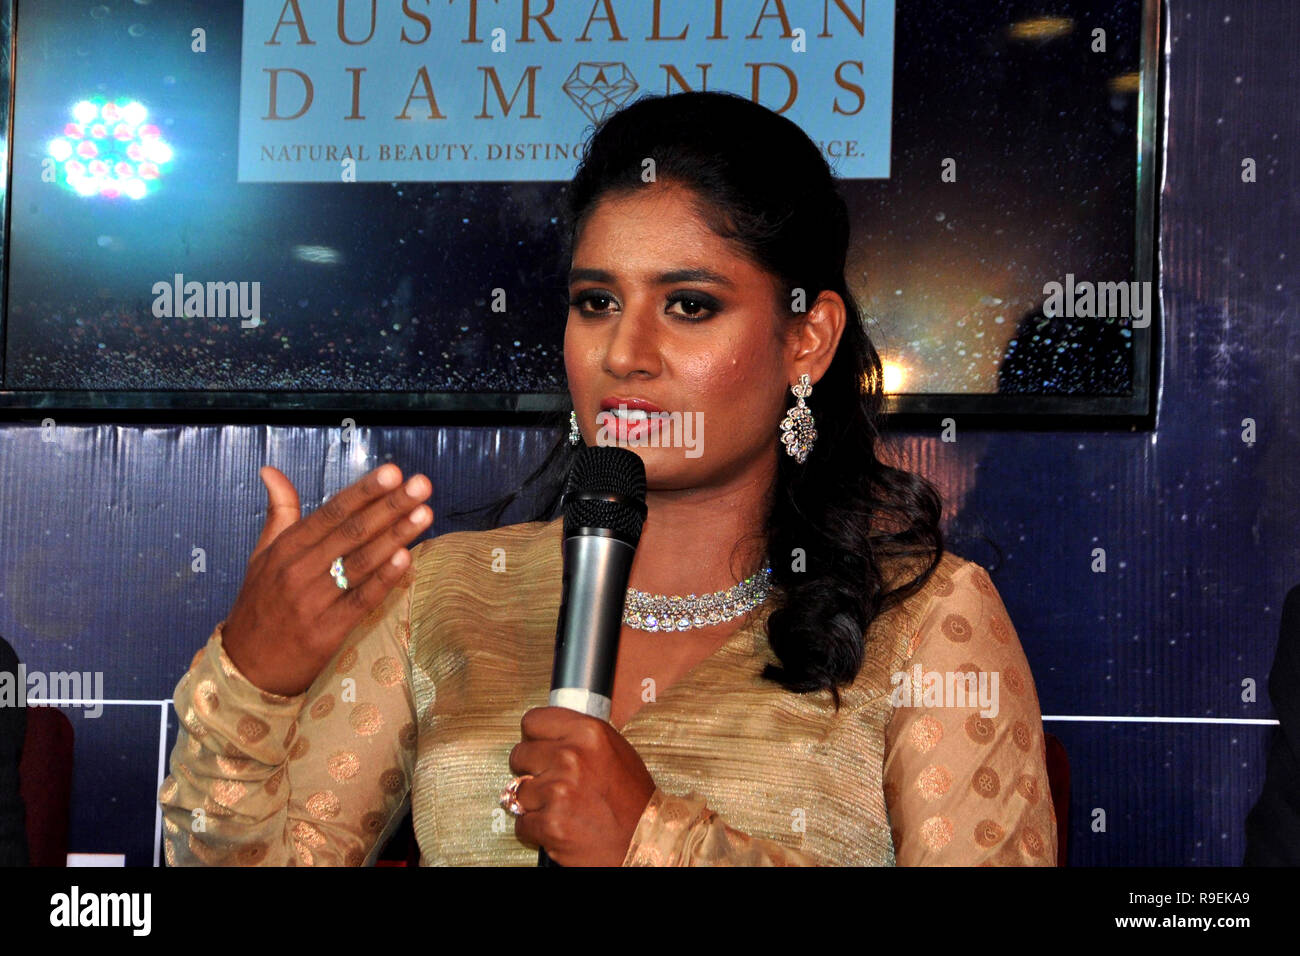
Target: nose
[(633, 344)]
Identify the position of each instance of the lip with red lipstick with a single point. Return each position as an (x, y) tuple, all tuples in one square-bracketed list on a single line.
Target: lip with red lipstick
[(634, 427)]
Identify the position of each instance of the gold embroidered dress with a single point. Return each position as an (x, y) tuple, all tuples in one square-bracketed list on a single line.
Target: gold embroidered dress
[(423, 702)]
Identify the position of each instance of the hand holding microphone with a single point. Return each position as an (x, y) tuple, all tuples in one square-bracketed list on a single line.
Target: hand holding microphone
[(587, 787), (587, 790)]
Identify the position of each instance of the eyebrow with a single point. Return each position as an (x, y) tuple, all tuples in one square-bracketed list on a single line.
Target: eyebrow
[(663, 278)]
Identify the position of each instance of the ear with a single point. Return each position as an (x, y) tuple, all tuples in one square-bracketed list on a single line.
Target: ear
[(813, 344)]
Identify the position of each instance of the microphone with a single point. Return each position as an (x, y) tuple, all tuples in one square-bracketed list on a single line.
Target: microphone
[(604, 512)]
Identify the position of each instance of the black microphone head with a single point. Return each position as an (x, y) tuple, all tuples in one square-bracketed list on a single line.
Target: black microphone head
[(606, 489)]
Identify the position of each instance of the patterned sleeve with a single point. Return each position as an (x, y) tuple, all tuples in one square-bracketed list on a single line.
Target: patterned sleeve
[(683, 831), (319, 779), (965, 773)]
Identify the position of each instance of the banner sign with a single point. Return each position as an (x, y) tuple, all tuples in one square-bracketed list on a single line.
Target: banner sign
[(474, 90)]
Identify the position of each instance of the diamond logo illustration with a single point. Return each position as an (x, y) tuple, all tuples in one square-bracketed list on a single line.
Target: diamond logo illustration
[(599, 89)]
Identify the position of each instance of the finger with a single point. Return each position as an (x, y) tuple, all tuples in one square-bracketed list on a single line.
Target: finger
[(535, 825), (530, 795), (531, 756), (528, 829), (360, 566), (367, 538), (351, 606), (387, 541), (283, 509), (338, 508), (549, 769), (550, 723)]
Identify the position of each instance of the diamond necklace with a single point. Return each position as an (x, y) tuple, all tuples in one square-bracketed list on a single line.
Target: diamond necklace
[(643, 611)]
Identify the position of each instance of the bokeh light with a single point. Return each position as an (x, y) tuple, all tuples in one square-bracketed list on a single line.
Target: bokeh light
[(894, 376), (110, 150)]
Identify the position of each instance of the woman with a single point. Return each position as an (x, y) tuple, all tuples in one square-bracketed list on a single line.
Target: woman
[(800, 724)]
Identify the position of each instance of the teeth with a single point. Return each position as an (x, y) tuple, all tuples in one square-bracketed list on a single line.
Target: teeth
[(631, 414)]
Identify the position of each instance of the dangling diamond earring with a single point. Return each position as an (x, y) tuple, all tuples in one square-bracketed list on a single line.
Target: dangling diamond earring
[(575, 436), (797, 427)]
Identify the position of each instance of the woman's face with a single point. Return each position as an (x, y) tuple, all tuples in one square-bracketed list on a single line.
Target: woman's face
[(664, 311)]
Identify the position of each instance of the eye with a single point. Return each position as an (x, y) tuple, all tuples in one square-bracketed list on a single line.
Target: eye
[(696, 307), (591, 295)]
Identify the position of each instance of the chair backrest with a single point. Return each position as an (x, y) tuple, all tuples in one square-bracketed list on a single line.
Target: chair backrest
[(45, 782), (1058, 781)]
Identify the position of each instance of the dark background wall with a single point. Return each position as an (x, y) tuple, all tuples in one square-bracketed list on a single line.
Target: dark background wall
[(1140, 670)]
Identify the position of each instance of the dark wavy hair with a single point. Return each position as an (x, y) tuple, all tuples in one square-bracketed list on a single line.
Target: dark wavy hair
[(758, 181)]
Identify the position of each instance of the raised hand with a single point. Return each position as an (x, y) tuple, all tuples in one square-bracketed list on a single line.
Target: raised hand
[(290, 616)]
